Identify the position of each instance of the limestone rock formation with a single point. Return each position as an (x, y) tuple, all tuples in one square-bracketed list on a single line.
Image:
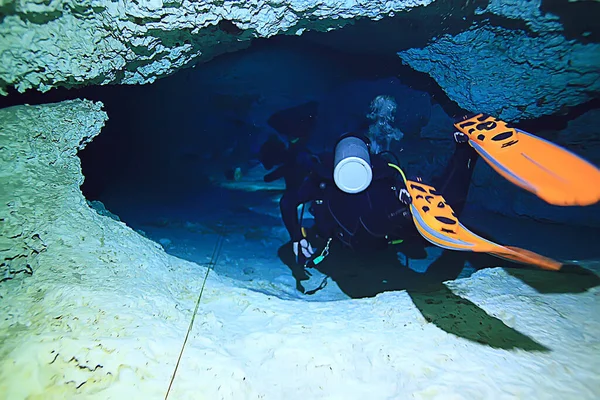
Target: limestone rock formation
[(81, 264), (509, 74), (512, 73), (41, 175), (71, 43), (513, 59)]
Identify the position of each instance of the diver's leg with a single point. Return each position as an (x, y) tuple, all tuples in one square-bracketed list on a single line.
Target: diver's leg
[(289, 202), (454, 182)]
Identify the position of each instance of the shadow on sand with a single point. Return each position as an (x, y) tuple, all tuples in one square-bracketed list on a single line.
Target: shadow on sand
[(366, 275)]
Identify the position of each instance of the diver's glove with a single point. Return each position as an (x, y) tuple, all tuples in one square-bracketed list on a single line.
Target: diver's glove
[(460, 137), (303, 251), (404, 197)]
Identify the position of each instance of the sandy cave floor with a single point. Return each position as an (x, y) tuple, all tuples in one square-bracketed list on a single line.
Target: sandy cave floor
[(500, 333), (254, 236)]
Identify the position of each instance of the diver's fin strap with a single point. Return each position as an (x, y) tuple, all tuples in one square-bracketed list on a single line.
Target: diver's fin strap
[(320, 287), (545, 169), (437, 223), (489, 131)]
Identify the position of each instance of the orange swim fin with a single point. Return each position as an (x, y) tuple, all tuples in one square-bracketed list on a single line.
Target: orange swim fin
[(436, 222), (551, 172)]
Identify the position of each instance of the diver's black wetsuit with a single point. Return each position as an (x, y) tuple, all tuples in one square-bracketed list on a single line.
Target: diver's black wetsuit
[(294, 165), (370, 219), (297, 164)]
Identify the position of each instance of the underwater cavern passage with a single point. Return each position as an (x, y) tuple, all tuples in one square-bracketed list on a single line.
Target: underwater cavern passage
[(121, 220), (165, 161)]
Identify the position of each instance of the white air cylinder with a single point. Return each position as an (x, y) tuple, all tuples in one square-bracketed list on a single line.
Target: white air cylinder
[(352, 172)]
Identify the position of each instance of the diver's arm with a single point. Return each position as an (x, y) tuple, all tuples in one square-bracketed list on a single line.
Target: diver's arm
[(401, 217), (404, 200), (454, 181), (278, 173), (291, 199), (289, 214)]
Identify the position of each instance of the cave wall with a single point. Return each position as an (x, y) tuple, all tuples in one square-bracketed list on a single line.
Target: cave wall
[(509, 73), (80, 291), (41, 175), (72, 43), (516, 59)]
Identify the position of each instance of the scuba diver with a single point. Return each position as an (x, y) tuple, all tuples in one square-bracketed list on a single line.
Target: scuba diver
[(365, 201), (292, 162)]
